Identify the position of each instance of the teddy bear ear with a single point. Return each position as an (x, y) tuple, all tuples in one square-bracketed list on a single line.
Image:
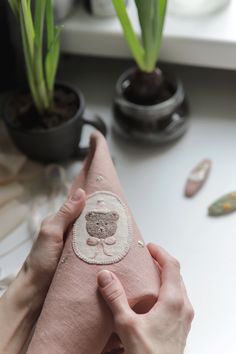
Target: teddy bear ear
[(89, 216), (114, 215)]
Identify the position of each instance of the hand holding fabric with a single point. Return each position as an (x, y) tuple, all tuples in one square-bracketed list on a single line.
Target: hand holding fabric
[(165, 328)]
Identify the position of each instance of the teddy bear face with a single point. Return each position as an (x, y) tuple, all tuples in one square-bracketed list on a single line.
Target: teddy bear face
[(101, 224)]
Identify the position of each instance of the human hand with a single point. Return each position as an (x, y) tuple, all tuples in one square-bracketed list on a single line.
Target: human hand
[(22, 302), (164, 329), (43, 259)]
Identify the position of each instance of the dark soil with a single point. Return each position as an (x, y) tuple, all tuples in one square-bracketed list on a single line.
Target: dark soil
[(147, 88), (26, 117)]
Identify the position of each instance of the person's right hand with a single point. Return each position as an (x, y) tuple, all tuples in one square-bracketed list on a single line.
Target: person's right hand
[(165, 328)]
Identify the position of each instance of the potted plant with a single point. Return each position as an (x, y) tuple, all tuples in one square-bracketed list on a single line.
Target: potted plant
[(150, 104), (46, 120)]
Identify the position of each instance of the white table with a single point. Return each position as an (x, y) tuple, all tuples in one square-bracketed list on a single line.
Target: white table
[(153, 180)]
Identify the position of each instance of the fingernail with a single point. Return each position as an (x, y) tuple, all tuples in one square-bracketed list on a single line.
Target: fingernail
[(77, 195), (104, 278)]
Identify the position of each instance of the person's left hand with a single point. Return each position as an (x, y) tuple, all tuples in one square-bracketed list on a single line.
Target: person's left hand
[(22, 302), (42, 261)]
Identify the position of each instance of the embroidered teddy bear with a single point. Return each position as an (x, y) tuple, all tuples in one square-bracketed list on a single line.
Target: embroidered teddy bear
[(101, 227)]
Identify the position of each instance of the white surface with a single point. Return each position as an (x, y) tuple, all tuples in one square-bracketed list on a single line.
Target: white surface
[(196, 7), (203, 41), (153, 180)]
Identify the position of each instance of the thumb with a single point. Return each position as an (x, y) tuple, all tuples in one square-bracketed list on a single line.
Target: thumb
[(113, 293), (70, 210)]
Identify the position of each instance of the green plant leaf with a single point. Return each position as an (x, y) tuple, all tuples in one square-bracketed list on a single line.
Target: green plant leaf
[(151, 14), (41, 68), (158, 25), (51, 62), (29, 63), (38, 46), (50, 23), (146, 13), (131, 37), (28, 25), (53, 50), (15, 6)]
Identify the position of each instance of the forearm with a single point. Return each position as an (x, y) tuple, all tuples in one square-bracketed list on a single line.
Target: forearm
[(22, 303), (19, 309)]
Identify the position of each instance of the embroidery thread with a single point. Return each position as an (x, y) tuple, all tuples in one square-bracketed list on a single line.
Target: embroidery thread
[(101, 226), (102, 234)]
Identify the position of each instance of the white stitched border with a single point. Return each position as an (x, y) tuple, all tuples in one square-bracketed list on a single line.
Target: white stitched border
[(126, 248)]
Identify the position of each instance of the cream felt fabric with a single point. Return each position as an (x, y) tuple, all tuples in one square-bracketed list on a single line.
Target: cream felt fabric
[(103, 232), (75, 318)]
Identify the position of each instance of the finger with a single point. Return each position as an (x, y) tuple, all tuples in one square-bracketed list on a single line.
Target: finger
[(184, 291), (71, 209), (158, 253), (58, 223), (188, 305), (171, 290), (113, 293), (168, 265)]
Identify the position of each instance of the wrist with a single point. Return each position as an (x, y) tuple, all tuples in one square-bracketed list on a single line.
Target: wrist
[(20, 307), (169, 349), (149, 347), (25, 292)]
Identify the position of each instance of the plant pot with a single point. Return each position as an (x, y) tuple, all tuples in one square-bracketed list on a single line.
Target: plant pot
[(101, 8), (155, 123), (55, 144), (62, 8)]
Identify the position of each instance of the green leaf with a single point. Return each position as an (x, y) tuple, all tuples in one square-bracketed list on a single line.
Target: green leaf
[(53, 50), (41, 68), (50, 23), (51, 62), (29, 63), (146, 13), (28, 25), (151, 14), (15, 6), (38, 46), (158, 26), (131, 37)]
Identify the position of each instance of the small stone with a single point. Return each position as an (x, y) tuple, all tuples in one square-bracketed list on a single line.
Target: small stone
[(64, 259), (141, 243), (99, 178), (197, 178), (223, 206)]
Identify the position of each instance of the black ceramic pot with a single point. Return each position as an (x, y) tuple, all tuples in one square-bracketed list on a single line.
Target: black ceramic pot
[(62, 9), (156, 123), (101, 8), (56, 144)]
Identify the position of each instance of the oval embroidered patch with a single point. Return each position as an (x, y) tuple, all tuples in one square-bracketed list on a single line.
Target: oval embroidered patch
[(102, 234)]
